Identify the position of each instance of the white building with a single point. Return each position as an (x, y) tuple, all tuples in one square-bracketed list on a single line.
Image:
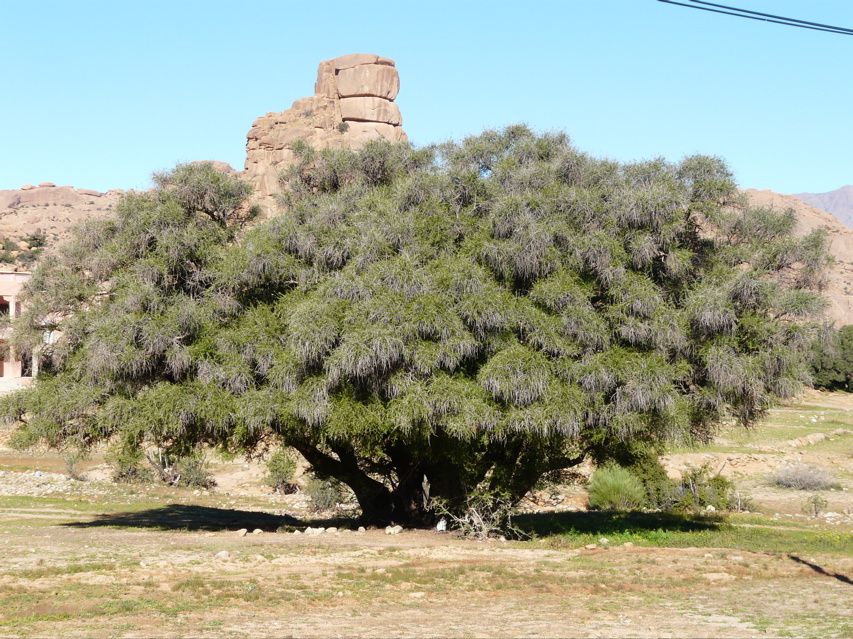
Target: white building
[(14, 373)]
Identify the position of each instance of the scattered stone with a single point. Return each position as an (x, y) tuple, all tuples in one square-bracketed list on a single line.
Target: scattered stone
[(393, 530), (257, 531), (361, 529), (591, 546), (223, 554), (441, 526), (297, 532), (331, 530), (314, 531), (417, 595), (709, 508), (603, 541), (628, 544), (242, 532)]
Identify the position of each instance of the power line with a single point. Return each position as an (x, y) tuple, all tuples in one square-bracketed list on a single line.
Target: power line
[(770, 15), (762, 17)]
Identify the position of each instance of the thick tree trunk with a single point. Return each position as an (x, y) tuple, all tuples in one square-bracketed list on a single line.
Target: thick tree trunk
[(374, 498), (513, 469)]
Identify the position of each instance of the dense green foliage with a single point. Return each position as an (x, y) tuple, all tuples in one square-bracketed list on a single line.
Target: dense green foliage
[(646, 485), (446, 320), (281, 470), (615, 488), (832, 363)]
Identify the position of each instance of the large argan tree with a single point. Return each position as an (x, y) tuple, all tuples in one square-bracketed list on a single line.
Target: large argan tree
[(467, 317)]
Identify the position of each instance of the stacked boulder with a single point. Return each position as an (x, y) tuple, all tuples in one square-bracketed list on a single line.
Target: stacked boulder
[(353, 103)]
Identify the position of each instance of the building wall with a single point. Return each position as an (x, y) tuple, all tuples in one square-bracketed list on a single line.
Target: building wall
[(10, 305)]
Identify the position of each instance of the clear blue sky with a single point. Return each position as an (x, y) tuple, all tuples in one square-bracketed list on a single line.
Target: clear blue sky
[(99, 94)]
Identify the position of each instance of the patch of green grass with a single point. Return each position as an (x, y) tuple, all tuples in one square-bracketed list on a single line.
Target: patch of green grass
[(675, 531), (780, 425), (68, 569)]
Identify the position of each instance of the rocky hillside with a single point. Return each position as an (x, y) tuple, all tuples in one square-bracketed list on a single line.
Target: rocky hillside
[(838, 202), (37, 218), (839, 289)]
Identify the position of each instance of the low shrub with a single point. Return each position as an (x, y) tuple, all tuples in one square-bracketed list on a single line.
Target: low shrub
[(699, 488), (803, 477), (72, 456), (193, 471), (832, 360), (189, 470), (815, 505), (128, 466), (615, 488), (325, 494), (658, 485), (281, 469)]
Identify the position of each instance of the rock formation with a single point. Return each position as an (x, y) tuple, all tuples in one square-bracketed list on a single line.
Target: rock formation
[(353, 102)]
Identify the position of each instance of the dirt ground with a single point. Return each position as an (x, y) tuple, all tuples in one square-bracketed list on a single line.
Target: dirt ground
[(95, 559)]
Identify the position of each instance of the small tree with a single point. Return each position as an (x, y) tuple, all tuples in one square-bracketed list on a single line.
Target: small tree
[(832, 363), (465, 317)]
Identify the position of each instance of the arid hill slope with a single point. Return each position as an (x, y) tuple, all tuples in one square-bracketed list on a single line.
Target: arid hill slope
[(839, 289), (838, 202), (47, 212)]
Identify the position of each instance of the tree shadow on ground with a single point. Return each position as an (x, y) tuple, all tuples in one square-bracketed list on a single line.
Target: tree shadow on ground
[(604, 522), (203, 518), (821, 570)]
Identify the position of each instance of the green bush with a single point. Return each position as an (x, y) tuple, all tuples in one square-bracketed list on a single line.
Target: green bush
[(815, 505), (698, 488), (128, 465), (281, 468), (72, 456), (189, 469), (615, 488), (325, 494), (832, 361), (193, 472), (656, 483), (36, 239)]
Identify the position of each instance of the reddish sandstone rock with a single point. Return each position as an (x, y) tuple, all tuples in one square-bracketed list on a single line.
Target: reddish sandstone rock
[(353, 103)]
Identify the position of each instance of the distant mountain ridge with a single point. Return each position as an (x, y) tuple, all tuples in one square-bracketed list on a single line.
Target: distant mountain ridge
[(838, 202)]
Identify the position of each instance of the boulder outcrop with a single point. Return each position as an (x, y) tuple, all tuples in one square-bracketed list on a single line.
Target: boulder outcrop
[(353, 103)]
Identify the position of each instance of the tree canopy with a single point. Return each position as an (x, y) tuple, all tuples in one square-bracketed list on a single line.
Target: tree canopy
[(448, 320), (832, 360)]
